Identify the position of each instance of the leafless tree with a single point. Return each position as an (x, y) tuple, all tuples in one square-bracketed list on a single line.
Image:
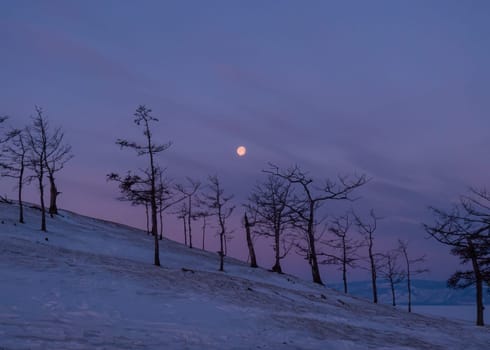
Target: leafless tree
[(305, 206), (134, 189), (13, 163), (58, 153), (269, 204), (166, 198), (150, 149), (37, 143), (182, 213), (4, 137), (188, 193), (368, 230), (344, 245), (219, 205), (203, 215), (390, 269), (250, 244), (466, 229), (48, 143), (410, 268)]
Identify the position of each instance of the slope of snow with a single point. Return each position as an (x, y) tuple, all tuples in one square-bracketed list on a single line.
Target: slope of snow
[(92, 285)]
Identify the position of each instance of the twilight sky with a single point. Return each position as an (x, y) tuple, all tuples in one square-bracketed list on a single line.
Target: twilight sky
[(398, 90)]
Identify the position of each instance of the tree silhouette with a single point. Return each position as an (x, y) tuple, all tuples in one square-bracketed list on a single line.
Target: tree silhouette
[(367, 230), (466, 229), (150, 149), (13, 163), (410, 269), (188, 193), (269, 204), (345, 247), (219, 205), (304, 207)]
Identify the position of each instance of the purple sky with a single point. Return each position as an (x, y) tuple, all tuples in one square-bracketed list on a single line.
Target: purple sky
[(396, 89)]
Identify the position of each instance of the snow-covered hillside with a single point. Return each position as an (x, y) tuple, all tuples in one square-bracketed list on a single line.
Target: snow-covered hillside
[(92, 285)]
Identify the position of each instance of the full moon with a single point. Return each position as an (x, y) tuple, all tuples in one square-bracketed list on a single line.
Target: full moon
[(241, 151)]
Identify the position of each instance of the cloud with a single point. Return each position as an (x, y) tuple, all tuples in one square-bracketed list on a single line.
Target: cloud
[(56, 50)]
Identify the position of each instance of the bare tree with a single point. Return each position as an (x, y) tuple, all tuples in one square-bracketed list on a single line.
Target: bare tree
[(166, 198), (4, 137), (37, 143), (203, 215), (220, 206), (150, 149), (188, 193), (390, 269), (14, 162), (305, 207), (47, 155), (182, 213), (368, 230), (251, 251), (269, 204), (410, 269), (345, 246), (466, 229), (134, 189), (57, 155)]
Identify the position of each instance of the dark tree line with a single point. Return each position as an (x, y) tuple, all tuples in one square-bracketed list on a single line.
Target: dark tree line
[(285, 208), (305, 204), (39, 150)]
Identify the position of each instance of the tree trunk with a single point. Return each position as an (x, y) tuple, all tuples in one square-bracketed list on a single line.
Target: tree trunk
[(221, 252), (373, 272), (203, 231), (147, 218), (153, 196), (21, 182), (315, 270), (43, 207), (277, 265), (161, 224), (53, 195), (154, 223), (185, 229), (344, 264), (344, 276), (189, 221), (373, 284), (251, 250), (393, 296), (409, 287), (478, 283), (479, 302)]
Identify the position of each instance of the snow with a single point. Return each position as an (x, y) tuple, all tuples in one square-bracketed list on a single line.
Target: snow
[(92, 285)]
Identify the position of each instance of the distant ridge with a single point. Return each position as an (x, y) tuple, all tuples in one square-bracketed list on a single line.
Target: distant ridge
[(424, 292)]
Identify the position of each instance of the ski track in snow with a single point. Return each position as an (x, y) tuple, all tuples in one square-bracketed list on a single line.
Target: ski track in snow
[(92, 285)]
